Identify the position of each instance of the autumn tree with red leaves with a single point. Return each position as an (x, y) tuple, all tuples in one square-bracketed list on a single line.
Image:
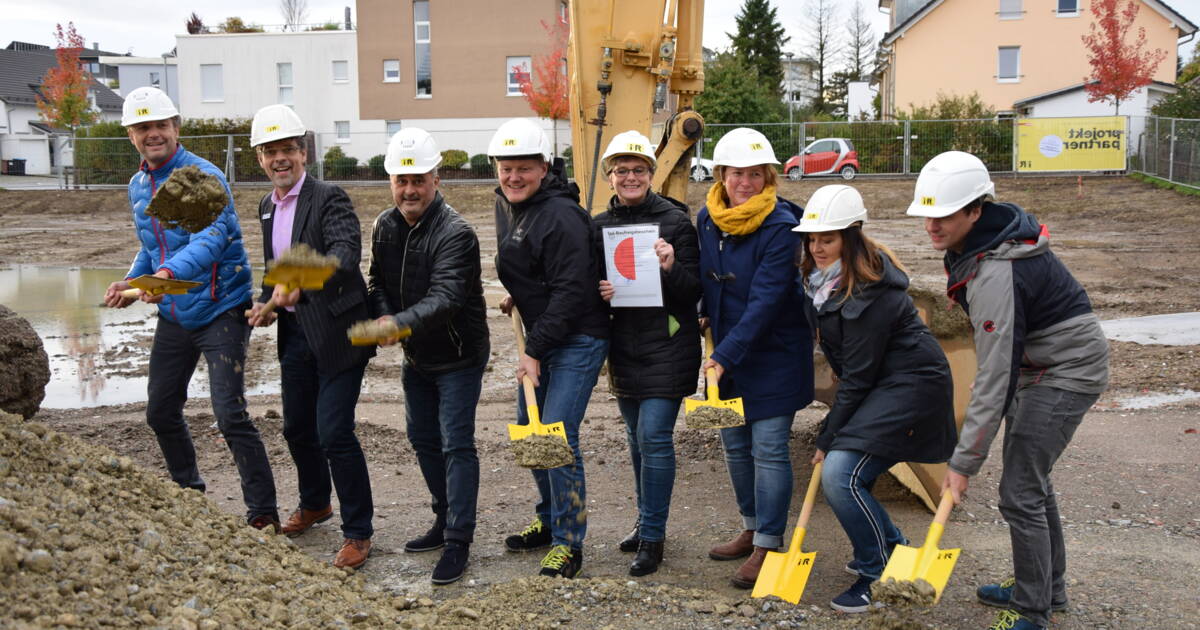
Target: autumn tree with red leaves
[(1118, 68), (546, 91), (62, 98)]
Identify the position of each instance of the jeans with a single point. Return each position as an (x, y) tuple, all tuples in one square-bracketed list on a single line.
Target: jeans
[(440, 411), (318, 424), (846, 479), (650, 428), (173, 359), (760, 467), (568, 375), (1040, 423)]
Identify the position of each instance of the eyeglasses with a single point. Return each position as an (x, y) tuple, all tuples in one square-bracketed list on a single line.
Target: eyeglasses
[(636, 172)]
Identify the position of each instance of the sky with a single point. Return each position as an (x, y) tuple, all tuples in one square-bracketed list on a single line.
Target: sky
[(148, 28)]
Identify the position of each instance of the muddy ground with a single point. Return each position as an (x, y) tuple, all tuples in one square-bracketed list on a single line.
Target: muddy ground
[(1127, 485)]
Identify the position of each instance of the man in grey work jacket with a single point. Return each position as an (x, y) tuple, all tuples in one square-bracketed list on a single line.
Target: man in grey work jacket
[(1042, 362)]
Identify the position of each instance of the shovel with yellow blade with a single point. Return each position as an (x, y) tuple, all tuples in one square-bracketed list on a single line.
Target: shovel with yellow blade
[(535, 426), (372, 333), (928, 563), (785, 575), (158, 286), (712, 412), (298, 268)]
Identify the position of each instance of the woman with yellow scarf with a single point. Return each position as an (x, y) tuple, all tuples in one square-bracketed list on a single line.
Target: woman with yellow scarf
[(763, 344)]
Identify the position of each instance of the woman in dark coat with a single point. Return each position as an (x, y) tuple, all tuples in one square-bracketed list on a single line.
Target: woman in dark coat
[(654, 352), (895, 399)]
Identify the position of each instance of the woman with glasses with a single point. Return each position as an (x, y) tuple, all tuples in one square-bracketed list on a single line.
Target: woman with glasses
[(654, 352)]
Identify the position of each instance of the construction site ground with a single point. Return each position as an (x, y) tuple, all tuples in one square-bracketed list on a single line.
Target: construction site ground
[(1127, 485)]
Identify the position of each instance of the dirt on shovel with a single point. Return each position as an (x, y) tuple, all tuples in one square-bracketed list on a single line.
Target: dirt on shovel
[(905, 604), (301, 255), (190, 199), (713, 418), (542, 452)]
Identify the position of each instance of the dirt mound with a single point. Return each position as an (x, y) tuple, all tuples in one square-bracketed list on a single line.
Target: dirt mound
[(24, 366)]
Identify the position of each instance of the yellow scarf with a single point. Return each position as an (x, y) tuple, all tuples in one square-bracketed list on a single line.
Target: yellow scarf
[(743, 219)]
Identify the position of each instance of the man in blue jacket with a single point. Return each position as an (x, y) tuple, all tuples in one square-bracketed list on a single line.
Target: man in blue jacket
[(206, 320), (1042, 362)]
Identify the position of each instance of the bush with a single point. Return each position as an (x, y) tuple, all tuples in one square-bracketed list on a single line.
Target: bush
[(338, 165), (453, 158), (111, 159), (481, 166), (375, 165)]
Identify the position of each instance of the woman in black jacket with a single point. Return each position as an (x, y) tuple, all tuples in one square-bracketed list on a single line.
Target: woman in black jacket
[(894, 401), (654, 352)]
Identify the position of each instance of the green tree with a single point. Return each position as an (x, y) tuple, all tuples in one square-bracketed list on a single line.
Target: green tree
[(1183, 104), (734, 93), (759, 42)]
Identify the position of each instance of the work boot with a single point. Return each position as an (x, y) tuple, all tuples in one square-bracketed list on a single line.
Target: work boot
[(1010, 619), (649, 556), (265, 521), (999, 595), (536, 536), (563, 562), (453, 563), (429, 541), (739, 547), (747, 574), (353, 553), (630, 543), (856, 599), (302, 520)]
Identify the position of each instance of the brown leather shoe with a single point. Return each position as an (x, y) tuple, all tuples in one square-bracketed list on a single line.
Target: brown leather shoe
[(739, 547), (301, 520), (747, 574), (353, 553)]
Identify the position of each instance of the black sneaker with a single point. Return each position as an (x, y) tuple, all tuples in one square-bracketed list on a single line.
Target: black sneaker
[(856, 599), (999, 595), (453, 563), (629, 544), (429, 541), (563, 562), (533, 537)]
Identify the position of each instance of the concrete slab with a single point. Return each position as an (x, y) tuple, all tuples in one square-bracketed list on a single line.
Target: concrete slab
[(1175, 329)]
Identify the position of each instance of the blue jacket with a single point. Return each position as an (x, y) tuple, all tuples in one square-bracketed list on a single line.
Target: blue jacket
[(214, 257), (763, 340)]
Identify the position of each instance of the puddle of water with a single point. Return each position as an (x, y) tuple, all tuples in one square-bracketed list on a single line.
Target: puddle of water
[(1175, 329), (1150, 401)]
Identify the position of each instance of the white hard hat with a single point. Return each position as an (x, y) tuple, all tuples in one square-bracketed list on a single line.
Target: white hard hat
[(949, 182), (519, 137), (147, 104), (628, 143), (411, 151), (275, 122), (743, 147), (832, 208)]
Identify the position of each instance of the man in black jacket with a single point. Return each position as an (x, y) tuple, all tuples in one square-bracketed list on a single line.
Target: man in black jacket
[(321, 372), (425, 277)]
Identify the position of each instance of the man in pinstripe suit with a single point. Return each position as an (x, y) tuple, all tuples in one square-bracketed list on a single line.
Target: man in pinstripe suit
[(321, 372)]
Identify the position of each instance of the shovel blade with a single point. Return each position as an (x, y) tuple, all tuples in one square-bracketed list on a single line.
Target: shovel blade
[(155, 285), (926, 563), (522, 431), (308, 278), (784, 575)]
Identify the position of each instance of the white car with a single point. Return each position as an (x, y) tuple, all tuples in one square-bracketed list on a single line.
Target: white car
[(702, 169)]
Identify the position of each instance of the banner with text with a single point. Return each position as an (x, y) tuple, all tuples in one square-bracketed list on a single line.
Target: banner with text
[(1094, 143)]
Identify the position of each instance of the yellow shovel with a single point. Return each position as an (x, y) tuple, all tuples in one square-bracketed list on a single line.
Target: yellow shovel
[(155, 286), (535, 426), (292, 276), (784, 575), (927, 562), (728, 413), (367, 333)]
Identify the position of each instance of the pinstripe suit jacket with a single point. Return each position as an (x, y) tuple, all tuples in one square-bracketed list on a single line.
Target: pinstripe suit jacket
[(325, 221)]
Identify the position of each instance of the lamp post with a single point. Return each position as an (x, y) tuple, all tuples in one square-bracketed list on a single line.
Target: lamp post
[(165, 84), (787, 87)]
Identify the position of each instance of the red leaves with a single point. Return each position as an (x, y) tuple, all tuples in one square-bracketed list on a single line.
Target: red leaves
[(1118, 68), (548, 97), (63, 95)]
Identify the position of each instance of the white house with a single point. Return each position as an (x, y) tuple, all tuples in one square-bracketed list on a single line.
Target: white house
[(799, 81), (1073, 101), (136, 72), (232, 75), (23, 134)]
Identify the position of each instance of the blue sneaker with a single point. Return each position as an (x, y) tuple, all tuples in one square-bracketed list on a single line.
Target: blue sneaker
[(856, 599), (1009, 619), (852, 568), (999, 595)]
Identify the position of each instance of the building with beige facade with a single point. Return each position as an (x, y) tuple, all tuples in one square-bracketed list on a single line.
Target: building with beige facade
[(452, 67), (1007, 51)]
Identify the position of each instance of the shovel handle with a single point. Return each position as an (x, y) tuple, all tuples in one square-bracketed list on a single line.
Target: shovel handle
[(266, 309), (810, 496), (131, 293), (934, 536), (709, 346), (526, 382)]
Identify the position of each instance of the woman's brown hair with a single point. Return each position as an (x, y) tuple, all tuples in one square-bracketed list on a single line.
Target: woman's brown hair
[(860, 263)]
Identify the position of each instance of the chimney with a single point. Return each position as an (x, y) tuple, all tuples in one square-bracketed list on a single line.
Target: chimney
[(96, 45), (349, 27)]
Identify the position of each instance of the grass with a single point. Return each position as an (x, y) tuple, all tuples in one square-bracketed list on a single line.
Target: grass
[(1182, 189)]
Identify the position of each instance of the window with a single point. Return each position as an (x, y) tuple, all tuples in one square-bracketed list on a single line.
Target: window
[(391, 70), (421, 55), (211, 88), (1010, 9), (1068, 8), (517, 70), (284, 72), (392, 127), (1009, 64), (342, 127), (341, 71), (154, 81)]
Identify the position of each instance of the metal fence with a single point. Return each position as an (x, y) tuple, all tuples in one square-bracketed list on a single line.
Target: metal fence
[(1168, 148)]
